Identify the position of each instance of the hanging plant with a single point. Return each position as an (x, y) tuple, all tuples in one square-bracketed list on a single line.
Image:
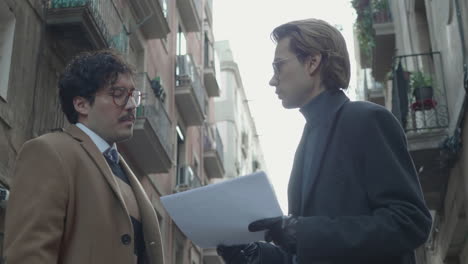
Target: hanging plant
[(364, 26)]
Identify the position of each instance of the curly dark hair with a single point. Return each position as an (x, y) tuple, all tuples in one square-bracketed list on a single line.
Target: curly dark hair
[(87, 73)]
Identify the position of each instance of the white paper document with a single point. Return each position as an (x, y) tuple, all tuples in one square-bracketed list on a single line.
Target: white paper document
[(220, 213)]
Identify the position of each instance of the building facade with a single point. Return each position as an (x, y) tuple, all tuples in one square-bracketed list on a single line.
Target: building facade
[(417, 51), (242, 151), (175, 144)]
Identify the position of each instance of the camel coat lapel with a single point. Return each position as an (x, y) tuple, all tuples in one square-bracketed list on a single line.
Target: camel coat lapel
[(149, 218), (96, 155)]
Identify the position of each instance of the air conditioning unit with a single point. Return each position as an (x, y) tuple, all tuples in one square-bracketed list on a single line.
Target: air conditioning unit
[(185, 179), (185, 176)]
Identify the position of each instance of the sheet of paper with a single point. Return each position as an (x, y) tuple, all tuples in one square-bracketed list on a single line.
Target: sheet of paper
[(220, 213)]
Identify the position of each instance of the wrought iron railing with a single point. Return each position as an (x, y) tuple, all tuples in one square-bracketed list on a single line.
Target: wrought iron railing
[(381, 12), (418, 94), (154, 111), (187, 74), (213, 141), (199, 8), (109, 20)]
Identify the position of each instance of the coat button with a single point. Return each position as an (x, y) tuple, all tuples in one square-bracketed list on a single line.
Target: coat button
[(126, 239)]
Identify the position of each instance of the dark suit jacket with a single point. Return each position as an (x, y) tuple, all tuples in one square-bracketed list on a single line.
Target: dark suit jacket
[(361, 200)]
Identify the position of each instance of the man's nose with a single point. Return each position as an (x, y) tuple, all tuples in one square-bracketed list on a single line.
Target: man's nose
[(273, 81), (131, 103)]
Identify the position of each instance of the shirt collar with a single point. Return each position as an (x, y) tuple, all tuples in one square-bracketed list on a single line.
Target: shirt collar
[(100, 143)]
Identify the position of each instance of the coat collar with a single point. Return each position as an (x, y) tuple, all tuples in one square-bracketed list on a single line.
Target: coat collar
[(96, 155), (323, 106)]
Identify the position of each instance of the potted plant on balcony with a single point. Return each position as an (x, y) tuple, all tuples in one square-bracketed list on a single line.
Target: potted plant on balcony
[(421, 86), (424, 104)]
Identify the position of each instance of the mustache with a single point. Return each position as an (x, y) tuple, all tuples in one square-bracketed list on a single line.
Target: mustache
[(128, 117)]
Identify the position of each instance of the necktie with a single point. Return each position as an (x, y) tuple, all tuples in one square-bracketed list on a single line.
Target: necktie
[(112, 154)]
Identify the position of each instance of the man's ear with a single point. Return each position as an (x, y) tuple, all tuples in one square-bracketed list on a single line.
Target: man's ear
[(313, 63), (82, 105)]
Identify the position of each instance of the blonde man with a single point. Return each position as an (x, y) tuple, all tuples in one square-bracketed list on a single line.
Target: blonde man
[(354, 195)]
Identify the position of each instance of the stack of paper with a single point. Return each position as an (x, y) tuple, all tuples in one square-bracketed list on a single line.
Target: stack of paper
[(220, 213)]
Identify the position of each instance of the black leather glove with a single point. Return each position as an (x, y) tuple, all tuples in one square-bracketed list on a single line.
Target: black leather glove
[(239, 254), (282, 230)]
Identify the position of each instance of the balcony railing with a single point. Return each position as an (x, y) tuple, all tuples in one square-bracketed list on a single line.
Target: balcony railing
[(151, 16), (213, 141), (213, 155), (190, 95), (211, 83), (209, 11), (191, 14), (419, 97), (153, 109), (381, 13), (150, 145), (111, 25)]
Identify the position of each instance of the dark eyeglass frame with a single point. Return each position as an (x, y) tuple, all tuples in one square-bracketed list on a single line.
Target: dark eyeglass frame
[(277, 65), (118, 94)]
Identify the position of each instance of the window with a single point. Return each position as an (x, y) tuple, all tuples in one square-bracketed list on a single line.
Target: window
[(7, 31), (164, 7), (207, 51), (181, 42), (244, 144)]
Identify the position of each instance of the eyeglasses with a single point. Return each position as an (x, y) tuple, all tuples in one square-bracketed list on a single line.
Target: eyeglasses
[(277, 66), (122, 95)]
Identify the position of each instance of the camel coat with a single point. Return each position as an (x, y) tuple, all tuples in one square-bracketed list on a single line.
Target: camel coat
[(65, 206)]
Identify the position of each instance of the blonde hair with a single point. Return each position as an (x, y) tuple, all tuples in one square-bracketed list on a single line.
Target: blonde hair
[(312, 37)]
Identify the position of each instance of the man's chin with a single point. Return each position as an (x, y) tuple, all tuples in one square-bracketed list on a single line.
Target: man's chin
[(288, 105), (124, 136)]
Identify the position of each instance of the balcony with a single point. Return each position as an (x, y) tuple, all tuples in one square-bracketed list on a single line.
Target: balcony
[(419, 102), (79, 25), (213, 153), (151, 144), (209, 11), (190, 97), (382, 18), (191, 15), (186, 179), (209, 76), (211, 257), (382, 23), (373, 90), (151, 16)]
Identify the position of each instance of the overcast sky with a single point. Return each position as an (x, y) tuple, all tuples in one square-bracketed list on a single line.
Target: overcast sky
[(247, 25)]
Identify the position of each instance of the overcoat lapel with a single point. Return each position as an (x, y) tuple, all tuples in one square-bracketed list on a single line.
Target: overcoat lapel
[(92, 150), (294, 187), (324, 134), (149, 220)]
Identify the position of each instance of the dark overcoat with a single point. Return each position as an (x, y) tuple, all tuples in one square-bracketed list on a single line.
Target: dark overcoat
[(359, 200)]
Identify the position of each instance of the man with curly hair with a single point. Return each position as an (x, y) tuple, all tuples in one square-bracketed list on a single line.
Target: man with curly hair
[(74, 199), (354, 194)]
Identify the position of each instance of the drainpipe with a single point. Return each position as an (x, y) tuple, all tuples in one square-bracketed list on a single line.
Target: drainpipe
[(462, 37)]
